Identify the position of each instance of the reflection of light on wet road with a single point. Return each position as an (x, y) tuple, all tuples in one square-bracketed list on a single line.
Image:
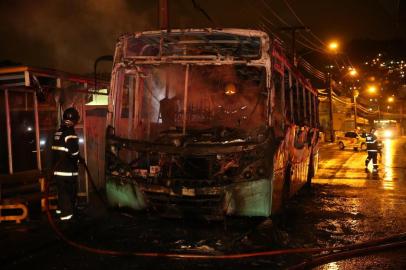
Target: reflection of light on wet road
[(387, 164), (331, 266)]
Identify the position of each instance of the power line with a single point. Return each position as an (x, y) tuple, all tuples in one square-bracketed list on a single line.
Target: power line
[(316, 47), (300, 21), (312, 45), (302, 62), (274, 13)]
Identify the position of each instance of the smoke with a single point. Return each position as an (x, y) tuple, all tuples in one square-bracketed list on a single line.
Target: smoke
[(68, 35)]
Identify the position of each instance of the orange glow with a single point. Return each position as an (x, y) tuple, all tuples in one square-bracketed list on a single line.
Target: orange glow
[(230, 89), (372, 89), (333, 46), (353, 72), (387, 164)]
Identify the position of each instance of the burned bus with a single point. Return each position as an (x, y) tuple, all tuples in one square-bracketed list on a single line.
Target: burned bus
[(208, 122)]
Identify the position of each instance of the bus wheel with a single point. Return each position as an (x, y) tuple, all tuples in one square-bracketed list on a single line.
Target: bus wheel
[(286, 185), (310, 172)]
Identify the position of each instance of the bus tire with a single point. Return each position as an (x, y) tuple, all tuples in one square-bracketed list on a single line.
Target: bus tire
[(310, 172), (286, 185)]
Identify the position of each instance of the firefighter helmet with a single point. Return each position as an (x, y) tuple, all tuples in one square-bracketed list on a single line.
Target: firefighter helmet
[(72, 115)]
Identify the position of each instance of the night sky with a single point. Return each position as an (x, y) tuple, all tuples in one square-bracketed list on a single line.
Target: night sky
[(70, 35)]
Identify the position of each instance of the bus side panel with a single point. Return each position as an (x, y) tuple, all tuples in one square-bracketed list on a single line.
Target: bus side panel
[(251, 198), (124, 195), (279, 173), (299, 177), (316, 160), (277, 190)]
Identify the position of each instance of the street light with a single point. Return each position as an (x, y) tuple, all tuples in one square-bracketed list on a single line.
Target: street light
[(353, 72), (333, 46), (372, 89), (391, 99)]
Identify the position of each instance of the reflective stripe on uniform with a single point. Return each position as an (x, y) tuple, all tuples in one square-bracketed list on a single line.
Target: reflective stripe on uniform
[(60, 148), (372, 150), (66, 173), (76, 153), (70, 137), (371, 142), (66, 217)]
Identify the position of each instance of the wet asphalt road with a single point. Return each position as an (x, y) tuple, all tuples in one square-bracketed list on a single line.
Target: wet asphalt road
[(371, 206), (345, 205)]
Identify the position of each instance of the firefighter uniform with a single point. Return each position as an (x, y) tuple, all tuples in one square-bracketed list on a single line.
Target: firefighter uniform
[(65, 150), (372, 149)]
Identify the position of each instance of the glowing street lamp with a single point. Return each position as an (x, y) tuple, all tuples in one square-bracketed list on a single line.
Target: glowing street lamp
[(372, 89), (333, 46), (353, 72), (391, 99)]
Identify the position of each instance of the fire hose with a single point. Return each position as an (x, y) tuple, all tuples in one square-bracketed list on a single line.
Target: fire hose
[(335, 253)]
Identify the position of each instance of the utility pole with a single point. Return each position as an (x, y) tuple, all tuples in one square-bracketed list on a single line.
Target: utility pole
[(330, 97), (355, 112), (355, 94), (293, 31), (163, 15)]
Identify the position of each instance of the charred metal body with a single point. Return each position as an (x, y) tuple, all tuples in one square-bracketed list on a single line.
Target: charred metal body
[(207, 123)]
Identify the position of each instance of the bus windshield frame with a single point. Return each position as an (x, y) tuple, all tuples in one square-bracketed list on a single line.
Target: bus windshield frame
[(206, 103), (195, 45), (141, 66)]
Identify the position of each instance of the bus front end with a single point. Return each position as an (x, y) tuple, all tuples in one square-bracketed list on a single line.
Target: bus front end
[(188, 124)]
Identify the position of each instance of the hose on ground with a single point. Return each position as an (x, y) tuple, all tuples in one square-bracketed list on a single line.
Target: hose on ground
[(334, 257), (335, 252)]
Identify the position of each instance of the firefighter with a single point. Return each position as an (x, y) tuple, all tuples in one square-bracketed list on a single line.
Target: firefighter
[(372, 149), (65, 149)]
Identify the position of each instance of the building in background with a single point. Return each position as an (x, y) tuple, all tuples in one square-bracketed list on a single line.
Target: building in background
[(343, 115)]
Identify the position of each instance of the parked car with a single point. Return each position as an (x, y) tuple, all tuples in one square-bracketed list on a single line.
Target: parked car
[(353, 140)]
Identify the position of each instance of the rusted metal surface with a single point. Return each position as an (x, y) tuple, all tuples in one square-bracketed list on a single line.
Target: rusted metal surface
[(95, 134), (187, 169)]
